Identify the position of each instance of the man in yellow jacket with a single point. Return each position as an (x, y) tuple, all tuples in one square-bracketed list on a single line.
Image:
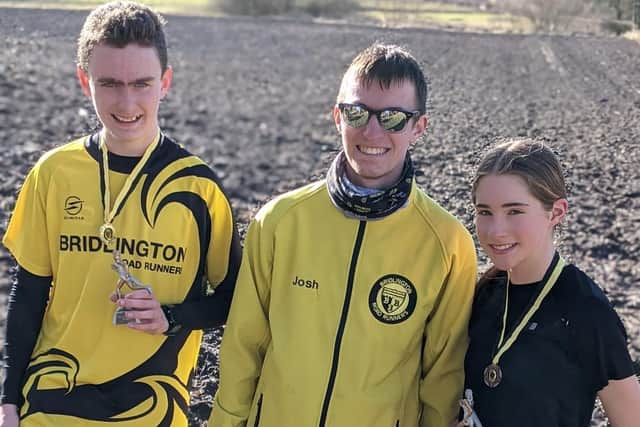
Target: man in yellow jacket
[(354, 293)]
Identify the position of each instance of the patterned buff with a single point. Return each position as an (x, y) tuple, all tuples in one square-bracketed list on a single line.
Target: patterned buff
[(367, 206)]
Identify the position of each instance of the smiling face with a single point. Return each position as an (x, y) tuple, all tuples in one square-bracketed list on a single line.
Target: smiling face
[(126, 86), (375, 157), (514, 228)]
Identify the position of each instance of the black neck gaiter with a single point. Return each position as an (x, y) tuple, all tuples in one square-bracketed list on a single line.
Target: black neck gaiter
[(372, 206)]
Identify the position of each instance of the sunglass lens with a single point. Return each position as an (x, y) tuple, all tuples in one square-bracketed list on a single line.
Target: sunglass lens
[(355, 115), (393, 120)]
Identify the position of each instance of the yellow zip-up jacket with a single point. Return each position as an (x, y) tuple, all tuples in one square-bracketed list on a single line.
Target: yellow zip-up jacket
[(339, 322)]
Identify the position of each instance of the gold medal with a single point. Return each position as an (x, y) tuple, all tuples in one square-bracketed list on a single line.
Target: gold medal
[(107, 231), (492, 375), (107, 234)]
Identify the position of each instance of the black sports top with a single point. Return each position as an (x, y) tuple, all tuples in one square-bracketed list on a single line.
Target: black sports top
[(569, 350)]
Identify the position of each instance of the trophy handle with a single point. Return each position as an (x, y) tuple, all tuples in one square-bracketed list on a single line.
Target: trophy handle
[(124, 278)]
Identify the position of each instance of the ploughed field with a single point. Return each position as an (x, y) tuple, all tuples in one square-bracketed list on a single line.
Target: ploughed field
[(253, 98)]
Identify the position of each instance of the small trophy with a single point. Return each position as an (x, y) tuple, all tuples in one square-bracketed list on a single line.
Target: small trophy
[(469, 418), (124, 278)]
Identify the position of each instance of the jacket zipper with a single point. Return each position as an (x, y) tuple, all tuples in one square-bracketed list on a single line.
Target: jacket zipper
[(257, 421), (341, 325)]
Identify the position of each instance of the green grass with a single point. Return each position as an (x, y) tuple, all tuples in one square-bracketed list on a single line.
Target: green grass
[(480, 20), (191, 7), (411, 6), (393, 13), (417, 14)]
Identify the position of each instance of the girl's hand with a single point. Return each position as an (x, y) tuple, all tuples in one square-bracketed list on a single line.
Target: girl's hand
[(9, 415)]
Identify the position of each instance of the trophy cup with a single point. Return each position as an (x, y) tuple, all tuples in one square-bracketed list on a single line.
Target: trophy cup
[(124, 278)]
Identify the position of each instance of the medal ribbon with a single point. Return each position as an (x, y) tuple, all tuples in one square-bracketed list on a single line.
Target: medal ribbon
[(502, 348), (110, 213)]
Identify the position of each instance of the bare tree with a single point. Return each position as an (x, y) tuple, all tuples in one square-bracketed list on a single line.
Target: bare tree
[(547, 15), (254, 7), (617, 6)]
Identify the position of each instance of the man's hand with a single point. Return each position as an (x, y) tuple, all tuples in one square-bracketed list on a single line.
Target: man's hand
[(143, 312), (9, 415)]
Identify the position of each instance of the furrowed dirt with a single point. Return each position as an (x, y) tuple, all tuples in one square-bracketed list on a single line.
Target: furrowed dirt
[(253, 97)]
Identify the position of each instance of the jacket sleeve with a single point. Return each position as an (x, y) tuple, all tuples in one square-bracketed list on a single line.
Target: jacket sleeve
[(446, 338), (209, 307), (247, 333)]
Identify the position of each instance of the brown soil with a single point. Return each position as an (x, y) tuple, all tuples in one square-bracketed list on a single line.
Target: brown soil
[(252, 97)]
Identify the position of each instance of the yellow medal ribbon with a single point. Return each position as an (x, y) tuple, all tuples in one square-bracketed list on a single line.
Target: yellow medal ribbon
[(493, 373), (107, 231)]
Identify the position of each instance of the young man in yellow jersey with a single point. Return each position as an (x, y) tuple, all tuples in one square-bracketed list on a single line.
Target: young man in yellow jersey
[(125, 207), (354, 292)]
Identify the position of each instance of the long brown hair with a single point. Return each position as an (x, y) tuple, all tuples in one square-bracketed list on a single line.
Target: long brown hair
[(531, 160)]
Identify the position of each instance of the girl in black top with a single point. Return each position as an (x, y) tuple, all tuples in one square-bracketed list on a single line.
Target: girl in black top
[(544, 340)]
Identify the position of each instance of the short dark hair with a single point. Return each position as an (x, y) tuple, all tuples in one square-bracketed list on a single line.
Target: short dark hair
[(119, 23), (387, 64)]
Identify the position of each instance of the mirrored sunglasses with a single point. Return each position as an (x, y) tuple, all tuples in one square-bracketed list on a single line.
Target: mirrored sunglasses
[(390, 119)]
